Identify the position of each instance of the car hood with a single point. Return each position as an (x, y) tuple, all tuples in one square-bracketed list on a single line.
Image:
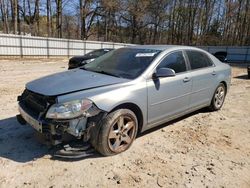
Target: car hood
[(71, 81)]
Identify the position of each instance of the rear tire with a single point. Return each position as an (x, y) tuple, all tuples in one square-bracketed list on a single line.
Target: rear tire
[(117, 132), (218, 98)]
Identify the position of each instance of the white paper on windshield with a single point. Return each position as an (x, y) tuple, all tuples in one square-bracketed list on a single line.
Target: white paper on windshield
[(145, 55)]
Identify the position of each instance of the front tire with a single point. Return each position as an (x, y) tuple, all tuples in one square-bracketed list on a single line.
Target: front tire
[(218, 98), (117, 132)]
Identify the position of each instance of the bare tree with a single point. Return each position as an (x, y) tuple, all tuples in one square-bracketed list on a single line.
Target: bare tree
[(48, 11), (59, 18), (4, 12), (157, 14), (88, 13), (14, 15), (36, 16)]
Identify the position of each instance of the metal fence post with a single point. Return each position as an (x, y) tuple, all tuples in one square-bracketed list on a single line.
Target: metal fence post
[(47, 47), (84, 47), (68, 48), (21, 45)]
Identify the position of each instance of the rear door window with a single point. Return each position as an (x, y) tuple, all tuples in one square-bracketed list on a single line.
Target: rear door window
[(198, 59)]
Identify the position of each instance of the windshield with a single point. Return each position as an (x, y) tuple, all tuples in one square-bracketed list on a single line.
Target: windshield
[(124, 62)]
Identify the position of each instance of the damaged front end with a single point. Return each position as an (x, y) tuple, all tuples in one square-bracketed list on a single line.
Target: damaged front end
[(77, 118)]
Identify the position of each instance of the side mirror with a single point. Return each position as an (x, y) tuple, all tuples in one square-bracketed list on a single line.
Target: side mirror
[(163, 72)]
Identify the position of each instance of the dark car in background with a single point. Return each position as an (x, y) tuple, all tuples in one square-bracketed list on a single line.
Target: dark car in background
[(78, 61), (222, 56)]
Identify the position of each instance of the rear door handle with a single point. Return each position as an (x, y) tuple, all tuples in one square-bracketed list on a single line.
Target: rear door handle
[(213, 73), (186, 79)]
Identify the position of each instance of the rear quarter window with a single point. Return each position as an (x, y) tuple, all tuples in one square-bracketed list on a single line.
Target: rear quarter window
[(198, 59)]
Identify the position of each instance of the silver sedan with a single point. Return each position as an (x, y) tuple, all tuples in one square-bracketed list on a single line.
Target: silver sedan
[(129, 90)]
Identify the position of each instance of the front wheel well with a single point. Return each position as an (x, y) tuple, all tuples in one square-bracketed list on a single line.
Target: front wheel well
[(134, 108)]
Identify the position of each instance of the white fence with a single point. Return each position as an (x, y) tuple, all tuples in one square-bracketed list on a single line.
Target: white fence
[(26, 46)]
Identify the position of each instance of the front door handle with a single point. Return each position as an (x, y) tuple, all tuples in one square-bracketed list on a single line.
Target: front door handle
[(186, 79)]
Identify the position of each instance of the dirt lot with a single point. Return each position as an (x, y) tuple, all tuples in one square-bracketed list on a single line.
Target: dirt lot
[(201, 150)]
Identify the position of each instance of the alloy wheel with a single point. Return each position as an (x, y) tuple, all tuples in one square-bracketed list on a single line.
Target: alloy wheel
[(122, 134), (219, 97)]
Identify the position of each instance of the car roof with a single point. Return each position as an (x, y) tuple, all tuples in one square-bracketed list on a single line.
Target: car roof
[(107, 48), (102, 49), (162, 47)]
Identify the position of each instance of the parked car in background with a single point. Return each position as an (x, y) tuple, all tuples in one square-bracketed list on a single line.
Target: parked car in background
[(222, 56), (127, 91), (230, 54), (78, 61)]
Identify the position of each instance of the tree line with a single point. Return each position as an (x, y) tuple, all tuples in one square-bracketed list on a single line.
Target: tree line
[(189, 22)]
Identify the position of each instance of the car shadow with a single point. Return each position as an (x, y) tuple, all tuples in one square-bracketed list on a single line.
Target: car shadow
[(243, 77), (19, 143)]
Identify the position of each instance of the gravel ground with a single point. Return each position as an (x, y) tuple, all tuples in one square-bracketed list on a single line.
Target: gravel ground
[(203, 149)]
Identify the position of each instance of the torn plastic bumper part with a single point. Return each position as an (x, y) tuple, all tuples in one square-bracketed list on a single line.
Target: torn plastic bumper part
[(53, 121), (74, 150), (78, 127), (78, 148)]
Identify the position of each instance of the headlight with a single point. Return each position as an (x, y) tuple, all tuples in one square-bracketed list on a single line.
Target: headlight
[(72, 109)]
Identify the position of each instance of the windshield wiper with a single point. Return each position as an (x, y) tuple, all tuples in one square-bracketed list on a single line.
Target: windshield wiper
[(101, 72), (107, 73)]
